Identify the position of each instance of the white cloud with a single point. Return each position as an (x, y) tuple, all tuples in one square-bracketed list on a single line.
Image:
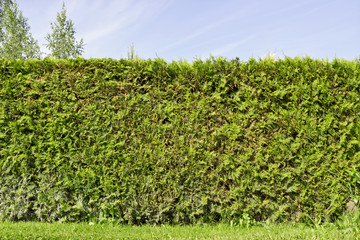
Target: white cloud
[(101, 19)]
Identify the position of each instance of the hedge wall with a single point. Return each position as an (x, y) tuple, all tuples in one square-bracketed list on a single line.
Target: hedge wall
[(147, 141)]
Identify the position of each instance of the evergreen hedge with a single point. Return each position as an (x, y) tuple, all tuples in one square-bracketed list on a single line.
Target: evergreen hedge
[(147, 141)]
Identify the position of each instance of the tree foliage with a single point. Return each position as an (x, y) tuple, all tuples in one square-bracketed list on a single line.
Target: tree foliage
[(62, 42), (3, 4), (16, 41)]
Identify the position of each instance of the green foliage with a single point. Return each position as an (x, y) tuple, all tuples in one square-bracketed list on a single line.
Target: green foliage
[(146, 141), (16, 41), (62, 42), (354, 186), (3, 4), (131, 53)]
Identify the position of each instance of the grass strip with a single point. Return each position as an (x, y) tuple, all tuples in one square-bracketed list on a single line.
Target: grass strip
[(32, 230)]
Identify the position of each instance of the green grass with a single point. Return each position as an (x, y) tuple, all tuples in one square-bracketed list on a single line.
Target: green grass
[(346, 229)]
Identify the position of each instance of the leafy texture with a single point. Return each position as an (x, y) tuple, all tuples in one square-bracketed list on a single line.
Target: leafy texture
[(62, 42), (16, 41), (3, 4), (146, 141)]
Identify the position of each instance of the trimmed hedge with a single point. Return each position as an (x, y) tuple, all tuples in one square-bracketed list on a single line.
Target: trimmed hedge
[(146, 141)]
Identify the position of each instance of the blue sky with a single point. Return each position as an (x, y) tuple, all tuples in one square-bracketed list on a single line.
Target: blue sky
[(190, 29)]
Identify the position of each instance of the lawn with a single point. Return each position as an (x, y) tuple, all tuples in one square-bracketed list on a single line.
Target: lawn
[(31, 230)]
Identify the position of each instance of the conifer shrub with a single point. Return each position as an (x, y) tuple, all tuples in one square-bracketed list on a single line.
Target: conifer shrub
[(148, 141)]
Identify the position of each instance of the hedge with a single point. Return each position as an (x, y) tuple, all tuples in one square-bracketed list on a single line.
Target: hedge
[(149, 141)]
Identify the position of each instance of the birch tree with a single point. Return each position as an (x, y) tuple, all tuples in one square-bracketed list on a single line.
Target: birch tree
[(16, 41), (62, 42)]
